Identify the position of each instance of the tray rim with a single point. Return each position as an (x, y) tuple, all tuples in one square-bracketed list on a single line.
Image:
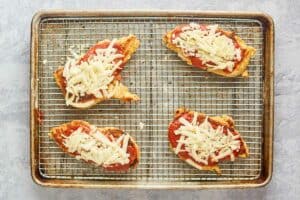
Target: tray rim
[(268, 100)]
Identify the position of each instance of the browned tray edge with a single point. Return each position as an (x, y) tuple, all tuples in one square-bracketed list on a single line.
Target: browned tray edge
[(268, 92)]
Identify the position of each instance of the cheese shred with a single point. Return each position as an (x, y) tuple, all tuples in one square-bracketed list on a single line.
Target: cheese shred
[(93, 76), (203, 142), (96, 147), (216, 50)]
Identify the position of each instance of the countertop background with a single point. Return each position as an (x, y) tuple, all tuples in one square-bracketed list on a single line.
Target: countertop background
[(15, 179)]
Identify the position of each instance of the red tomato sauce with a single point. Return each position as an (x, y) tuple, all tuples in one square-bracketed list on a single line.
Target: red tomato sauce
[(197, 62), (39, 116), (185, 155)]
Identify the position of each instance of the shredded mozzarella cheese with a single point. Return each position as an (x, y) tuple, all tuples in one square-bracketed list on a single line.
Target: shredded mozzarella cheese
[(208, 45), (202, 141), (141, 125), (93, 76), (97, 147)]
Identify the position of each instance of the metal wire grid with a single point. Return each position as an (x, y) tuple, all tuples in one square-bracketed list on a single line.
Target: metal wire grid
[(164, 83)]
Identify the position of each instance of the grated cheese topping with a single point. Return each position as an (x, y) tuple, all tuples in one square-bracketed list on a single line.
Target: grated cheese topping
[(141, 125), (93, 76), (202, 141), (215, 50), (96, 147)]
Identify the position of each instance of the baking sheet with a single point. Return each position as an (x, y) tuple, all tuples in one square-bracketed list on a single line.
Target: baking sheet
[(164, 83)]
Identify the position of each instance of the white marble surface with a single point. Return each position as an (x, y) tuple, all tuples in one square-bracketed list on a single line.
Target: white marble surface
[(15, 179)]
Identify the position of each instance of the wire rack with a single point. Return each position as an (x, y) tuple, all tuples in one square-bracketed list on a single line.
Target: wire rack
[(164, 83)]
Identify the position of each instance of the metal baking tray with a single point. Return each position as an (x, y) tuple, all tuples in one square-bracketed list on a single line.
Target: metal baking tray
[(164, 83)]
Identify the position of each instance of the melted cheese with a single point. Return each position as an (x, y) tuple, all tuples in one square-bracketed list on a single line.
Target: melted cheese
[(202, 141), (97, 147), (215, 50), (93, 76)]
